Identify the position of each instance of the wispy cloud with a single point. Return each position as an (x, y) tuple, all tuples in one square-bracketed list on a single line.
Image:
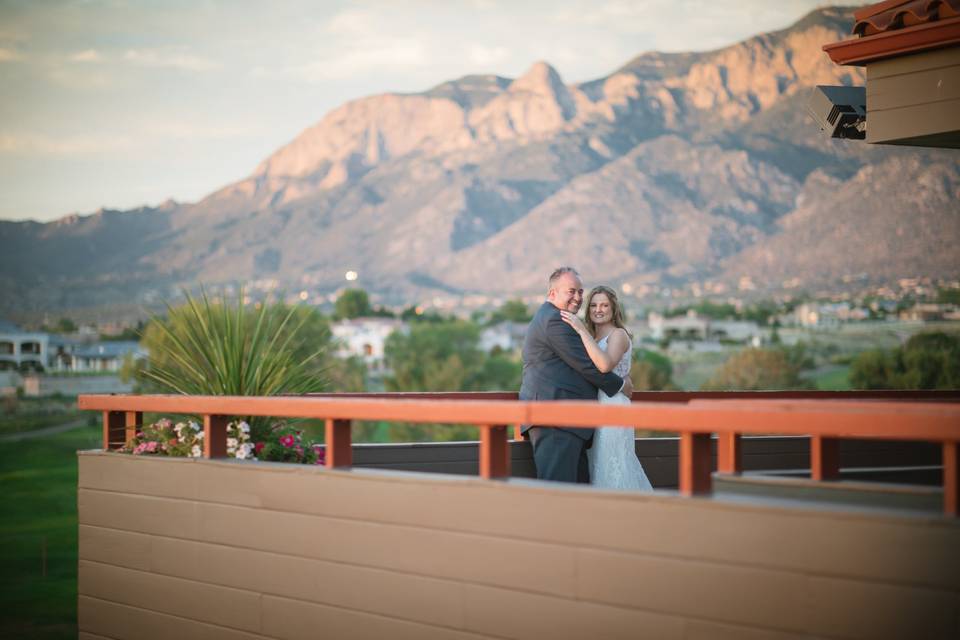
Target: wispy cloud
[(9, 55), (167, 59), (46, 144), (87, 55), (488, 56)]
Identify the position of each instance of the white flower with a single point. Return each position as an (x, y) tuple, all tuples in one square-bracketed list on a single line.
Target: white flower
[(196, 452), (199, 435), (243, 426), (195, 426), (232, 443)]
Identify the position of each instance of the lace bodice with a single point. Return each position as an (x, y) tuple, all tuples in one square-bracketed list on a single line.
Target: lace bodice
[(623, 367)]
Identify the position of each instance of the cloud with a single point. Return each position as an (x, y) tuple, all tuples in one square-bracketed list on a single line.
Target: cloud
[(45, 144), (9, 55), (88, 55), (166, 59), (486, 56)]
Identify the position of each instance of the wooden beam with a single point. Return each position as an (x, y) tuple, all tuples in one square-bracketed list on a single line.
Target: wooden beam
[(114, 430), (132, 420), (729, 453), (494, 452), (824, 458), (951, 478), (339, 448), (696, 464), (215, 436)]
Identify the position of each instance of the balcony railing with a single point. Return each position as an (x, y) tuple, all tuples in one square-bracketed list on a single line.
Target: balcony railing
[(827, 417)]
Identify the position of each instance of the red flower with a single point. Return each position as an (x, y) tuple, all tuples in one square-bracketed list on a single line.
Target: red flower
[(258, 447), (287, 440)]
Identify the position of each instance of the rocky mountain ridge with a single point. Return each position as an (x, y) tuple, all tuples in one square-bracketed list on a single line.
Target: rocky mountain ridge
[(675, 169)]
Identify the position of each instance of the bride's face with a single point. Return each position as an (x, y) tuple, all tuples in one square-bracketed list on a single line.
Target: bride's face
[(601, 311)]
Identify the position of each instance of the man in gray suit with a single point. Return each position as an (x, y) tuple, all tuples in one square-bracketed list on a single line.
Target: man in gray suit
[(556, 367)]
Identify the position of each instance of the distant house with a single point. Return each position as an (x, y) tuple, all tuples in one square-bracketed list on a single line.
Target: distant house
[(365, 338), (693, 327), (103, 356), (928, 312), (22, 350), (506, 336), (814, 314)]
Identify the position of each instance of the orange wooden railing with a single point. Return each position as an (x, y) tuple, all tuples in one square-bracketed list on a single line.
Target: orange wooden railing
[(826, 419)]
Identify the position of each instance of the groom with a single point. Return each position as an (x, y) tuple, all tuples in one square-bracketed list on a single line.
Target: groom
[(556, 367)]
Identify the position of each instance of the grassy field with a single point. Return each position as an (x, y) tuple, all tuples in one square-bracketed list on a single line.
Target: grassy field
[(38, 532)]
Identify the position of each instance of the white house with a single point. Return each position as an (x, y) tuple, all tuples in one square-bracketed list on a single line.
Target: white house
[(507, 336), (22, 350), (365, 338), (104, 356)]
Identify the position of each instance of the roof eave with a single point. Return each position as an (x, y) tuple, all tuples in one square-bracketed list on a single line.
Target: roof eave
[(860, 51)]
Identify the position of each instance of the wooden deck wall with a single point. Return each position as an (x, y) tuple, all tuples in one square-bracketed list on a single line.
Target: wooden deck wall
[(178, 548)]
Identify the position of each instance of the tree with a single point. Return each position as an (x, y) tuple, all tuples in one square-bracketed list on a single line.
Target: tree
[(927, 361), (511, 311), (352, 303), (757, 370), (444, 355), (651, 371)]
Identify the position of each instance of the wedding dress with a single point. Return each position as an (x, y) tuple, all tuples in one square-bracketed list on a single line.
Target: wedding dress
[(613, 457)]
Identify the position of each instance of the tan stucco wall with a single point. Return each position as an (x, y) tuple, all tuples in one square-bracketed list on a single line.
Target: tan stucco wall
[(913, 96), (218, 549)]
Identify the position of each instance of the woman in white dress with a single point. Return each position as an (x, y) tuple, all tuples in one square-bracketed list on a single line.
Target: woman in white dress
[(613, 458)]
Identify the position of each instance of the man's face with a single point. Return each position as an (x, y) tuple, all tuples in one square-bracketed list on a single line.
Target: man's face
[(567, 293)]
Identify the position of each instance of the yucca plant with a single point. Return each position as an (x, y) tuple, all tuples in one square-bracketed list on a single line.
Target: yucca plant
[(221, 347)]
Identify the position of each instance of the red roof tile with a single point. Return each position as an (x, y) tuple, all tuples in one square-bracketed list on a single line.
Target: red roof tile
[(898, 27)]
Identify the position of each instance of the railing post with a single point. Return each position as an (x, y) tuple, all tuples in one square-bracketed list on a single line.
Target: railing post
[(114, 430), (132, 420), (824, 458), (494, 452), (339, 449), (517, 435), (951, 478), (729, 454), (215, 436), (695, 463)]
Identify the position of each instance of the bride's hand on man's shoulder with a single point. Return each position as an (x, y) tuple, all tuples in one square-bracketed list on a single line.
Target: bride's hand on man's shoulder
[(573, 320)]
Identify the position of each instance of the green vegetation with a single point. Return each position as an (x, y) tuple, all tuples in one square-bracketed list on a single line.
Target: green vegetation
[(443, 356), (221, 347), (511, 311), (762, 369), (352, 303), (926, 361), (651, 371), (18, 415), (38, 554)]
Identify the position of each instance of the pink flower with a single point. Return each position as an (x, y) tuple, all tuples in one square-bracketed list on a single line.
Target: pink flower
[(287, 440), (321, 454), (151, 446)]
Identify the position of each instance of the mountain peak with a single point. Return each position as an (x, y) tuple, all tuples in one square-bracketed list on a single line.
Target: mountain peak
[(540, 78)]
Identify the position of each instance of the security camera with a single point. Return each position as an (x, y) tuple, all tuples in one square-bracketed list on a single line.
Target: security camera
[(841, 111)]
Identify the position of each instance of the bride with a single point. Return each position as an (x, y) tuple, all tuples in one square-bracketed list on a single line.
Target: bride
[(613, 458)]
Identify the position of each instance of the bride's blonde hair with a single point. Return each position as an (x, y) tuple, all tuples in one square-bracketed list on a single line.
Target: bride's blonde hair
[(615, 308)]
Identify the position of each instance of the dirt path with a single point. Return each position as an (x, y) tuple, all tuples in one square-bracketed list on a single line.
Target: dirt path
[(46, 431)]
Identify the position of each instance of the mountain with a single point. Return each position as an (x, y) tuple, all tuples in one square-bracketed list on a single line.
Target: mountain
[(675, 170)]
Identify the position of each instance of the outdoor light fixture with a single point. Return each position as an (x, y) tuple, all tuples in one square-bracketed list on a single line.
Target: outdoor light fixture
[(841, 111)]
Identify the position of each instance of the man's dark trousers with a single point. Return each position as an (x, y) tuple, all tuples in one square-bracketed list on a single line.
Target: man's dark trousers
[(559, 455)]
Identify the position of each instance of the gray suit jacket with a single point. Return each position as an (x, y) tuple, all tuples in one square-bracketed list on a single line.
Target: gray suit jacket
[(556, 365)]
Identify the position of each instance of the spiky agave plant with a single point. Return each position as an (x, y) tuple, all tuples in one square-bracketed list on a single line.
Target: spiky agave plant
[(220, 347)]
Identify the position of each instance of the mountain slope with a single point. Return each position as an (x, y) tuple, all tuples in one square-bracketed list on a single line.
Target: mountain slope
[(674, 169)]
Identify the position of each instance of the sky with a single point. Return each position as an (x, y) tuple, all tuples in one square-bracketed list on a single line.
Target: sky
[(121, 104)]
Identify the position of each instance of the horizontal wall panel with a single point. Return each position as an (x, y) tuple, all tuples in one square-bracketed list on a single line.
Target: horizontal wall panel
[(222, 606), (122, 622), (657, 524), (131, 512), (122, 548), (911, 89), (389, 593), (913, 63), (697, 589), (911, 122), (295, 620), (526, 616), (441, 554), (882, 612), (709, 630)]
